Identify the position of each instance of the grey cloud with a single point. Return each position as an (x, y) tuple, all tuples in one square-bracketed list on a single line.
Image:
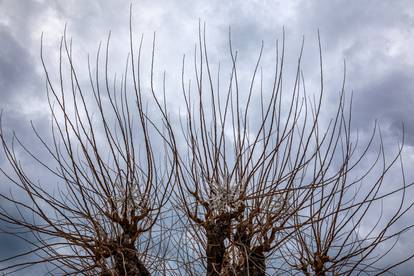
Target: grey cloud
[(361, 32), (16, 67), (390, 99)]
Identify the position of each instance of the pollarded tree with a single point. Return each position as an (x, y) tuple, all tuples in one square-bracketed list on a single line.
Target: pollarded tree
[(267, 185), (100, 218), (264, 184)]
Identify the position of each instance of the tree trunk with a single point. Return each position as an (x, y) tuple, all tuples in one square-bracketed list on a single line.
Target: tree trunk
[(128, 263), (216, 234), (255, 265)]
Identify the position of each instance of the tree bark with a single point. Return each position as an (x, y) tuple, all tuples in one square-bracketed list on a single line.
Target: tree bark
[(216, 234), (128, 263), (255, 264)]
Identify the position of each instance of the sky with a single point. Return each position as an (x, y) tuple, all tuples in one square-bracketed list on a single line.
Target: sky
[(374, 38)]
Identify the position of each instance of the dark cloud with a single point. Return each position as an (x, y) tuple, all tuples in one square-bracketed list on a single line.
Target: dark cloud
[(16, 67), (374, 37), (388, 97)]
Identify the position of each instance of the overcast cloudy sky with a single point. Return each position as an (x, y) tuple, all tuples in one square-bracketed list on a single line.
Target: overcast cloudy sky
[(374, 37)]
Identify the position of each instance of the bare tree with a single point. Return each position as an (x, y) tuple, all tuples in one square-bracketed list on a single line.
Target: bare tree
[(275, 191), (101, 217), (259, 182)]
